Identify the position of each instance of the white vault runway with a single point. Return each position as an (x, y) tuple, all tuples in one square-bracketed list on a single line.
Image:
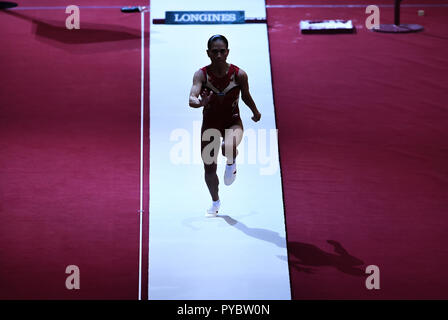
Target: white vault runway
[(241, 254)]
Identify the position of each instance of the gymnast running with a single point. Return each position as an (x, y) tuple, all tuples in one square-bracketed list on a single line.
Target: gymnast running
[(217, 87)]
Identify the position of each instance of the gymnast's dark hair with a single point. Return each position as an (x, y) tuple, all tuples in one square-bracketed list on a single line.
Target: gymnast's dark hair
[(217, 37)]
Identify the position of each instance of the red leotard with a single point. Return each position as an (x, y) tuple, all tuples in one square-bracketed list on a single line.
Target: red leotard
[(222, 111)]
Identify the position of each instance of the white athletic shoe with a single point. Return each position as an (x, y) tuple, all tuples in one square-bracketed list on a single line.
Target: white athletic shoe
[(213, 210), (230, 174)]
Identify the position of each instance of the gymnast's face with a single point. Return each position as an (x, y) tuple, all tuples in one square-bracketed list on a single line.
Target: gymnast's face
[(218, 52)]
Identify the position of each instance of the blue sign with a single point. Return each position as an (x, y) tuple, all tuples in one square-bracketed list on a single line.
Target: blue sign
[(204, 17)]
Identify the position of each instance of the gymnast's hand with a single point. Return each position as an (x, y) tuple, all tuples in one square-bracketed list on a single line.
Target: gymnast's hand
[(205, 98), (256, 117)]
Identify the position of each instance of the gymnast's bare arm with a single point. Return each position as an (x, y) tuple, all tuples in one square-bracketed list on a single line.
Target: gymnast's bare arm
[(195, 91), (245, 94)]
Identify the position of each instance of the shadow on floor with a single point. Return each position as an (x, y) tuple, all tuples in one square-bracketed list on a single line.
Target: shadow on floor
[(303, 256), (56, 34)]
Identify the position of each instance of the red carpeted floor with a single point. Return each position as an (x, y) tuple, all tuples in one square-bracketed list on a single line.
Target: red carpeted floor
[(363, 142), (70, 151)]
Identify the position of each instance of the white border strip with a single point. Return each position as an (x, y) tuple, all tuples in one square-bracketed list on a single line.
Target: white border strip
[(149, 137)]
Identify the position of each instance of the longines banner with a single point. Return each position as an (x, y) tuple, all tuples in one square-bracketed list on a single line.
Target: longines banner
[(204, 17)]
